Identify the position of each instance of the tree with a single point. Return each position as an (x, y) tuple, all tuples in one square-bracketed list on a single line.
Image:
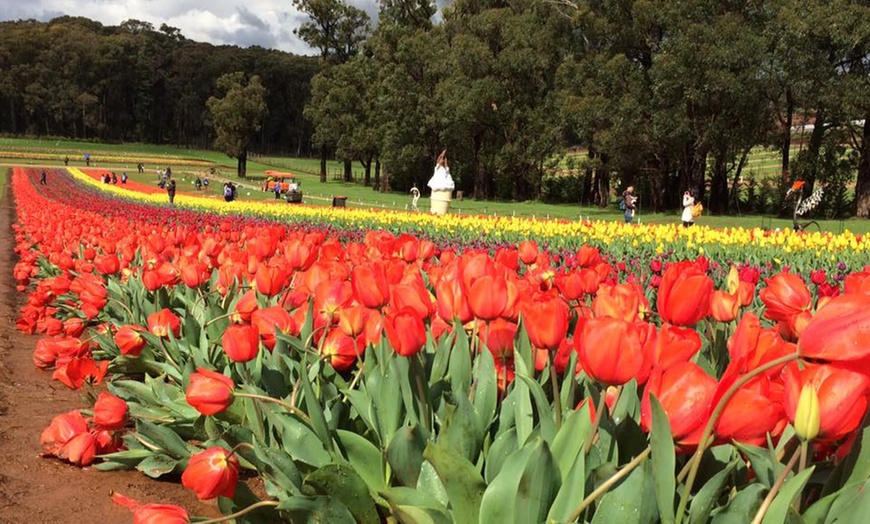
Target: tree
[(237, 116), (337, 30)]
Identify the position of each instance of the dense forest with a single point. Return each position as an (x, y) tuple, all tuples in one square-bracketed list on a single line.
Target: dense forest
[(78, 78), (661, 94)]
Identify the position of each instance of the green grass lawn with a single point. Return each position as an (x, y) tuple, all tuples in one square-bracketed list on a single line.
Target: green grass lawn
[(317, 193)]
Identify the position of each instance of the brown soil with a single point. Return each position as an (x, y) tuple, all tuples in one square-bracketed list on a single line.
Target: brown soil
[(41, 490)]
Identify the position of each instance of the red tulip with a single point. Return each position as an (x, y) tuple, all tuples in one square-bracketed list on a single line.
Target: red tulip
[(212, 473), (80, 450), (152, 513), (369, 283), (624, 301), (528, 251), (588, 256), (406, 332), (842, 395), (498, 337), (839, 331), (268, 322), (73, 327), (752, 413), (352, 320), (818, 277), (130, 340), (110, 412), (609, 350), (241, 342), (164, 322), (80, 370), (61, 430), (151, 280), (546, 321), (785, 296), (209, 392), (245, 307), (340, 350), (107, 264), (685, 392), (488, 297), (684, 294), (674, 345), (271, 280)]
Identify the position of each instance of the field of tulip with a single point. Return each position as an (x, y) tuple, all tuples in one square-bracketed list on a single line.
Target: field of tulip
[(304, 364)]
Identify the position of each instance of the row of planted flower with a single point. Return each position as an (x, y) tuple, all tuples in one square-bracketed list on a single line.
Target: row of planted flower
[(99, 157), (371, 377), (772, 249)]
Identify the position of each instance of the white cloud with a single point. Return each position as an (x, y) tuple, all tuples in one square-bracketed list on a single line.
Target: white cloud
[(267, 23)]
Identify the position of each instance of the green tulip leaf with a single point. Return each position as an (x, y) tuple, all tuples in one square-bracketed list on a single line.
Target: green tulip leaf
[(461, 480), (663, 461), (366, 459), (705, 499), (742, 507), (341, 482), (631, 500), (405, 454), (157, 465), (779, 508), (524, 489)]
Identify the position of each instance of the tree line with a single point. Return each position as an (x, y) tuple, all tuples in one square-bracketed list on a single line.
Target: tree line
[(77, 78), (663, 95)]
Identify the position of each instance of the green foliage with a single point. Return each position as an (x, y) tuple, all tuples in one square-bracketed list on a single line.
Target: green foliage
[(238, 115)]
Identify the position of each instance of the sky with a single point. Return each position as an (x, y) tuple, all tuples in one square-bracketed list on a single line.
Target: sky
[(267, 23)]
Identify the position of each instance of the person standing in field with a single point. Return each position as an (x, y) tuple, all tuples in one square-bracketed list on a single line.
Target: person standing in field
[(170, 190), (688, 217), (43, 178), (629, 200)]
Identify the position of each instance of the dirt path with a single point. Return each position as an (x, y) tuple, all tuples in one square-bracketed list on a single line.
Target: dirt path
[(36, 490)]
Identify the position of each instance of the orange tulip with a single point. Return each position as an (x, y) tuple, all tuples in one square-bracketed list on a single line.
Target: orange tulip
[(724, 306), (268, 322), (674, 345), (488, 297), (152, 513), (752, 413), (340, 350), (498, 337), (625, 301), (245, 307), (271, 280), (451, 302), (684, 294)]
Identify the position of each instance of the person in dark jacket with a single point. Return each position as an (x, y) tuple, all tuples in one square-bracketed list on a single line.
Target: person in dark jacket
[(170, 190)]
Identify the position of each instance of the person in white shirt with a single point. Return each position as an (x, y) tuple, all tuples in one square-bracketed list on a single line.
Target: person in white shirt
[(441, 179), (688, 202), (293, 187)]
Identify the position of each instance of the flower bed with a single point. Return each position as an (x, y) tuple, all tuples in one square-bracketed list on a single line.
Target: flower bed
[(366, 376)]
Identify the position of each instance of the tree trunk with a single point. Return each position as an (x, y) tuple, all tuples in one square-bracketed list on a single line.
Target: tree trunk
[(718, 202), (862, 185), (786, 134), (586, 193), (348, 171), (603, 177), (377, 185), (385, 180), (367, 165), (813, 149), (243, 164), (323, 163)]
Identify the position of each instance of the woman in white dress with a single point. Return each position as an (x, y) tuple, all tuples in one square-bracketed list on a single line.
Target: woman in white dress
[(688, 202), (441, 179)]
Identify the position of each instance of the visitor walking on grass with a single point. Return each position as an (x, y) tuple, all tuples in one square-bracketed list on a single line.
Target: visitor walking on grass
[(43, 178)]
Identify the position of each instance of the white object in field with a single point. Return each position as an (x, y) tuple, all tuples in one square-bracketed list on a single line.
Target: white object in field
[(439, 203)]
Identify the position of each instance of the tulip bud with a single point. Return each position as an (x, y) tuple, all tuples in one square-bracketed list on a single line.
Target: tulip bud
[(212, 473), (807, 419)]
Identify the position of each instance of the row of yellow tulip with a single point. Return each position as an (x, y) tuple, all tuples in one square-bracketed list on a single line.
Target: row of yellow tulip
[(106, 158)]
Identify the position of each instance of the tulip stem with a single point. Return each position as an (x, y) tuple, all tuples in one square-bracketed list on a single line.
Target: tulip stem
[(289, 407), (606, 485), (421, 392), (557, 398), (711, 424), (215, 319), (768, 500), (804, 449), (602, 405), (123, 305), (245, 511), (240, 445)]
